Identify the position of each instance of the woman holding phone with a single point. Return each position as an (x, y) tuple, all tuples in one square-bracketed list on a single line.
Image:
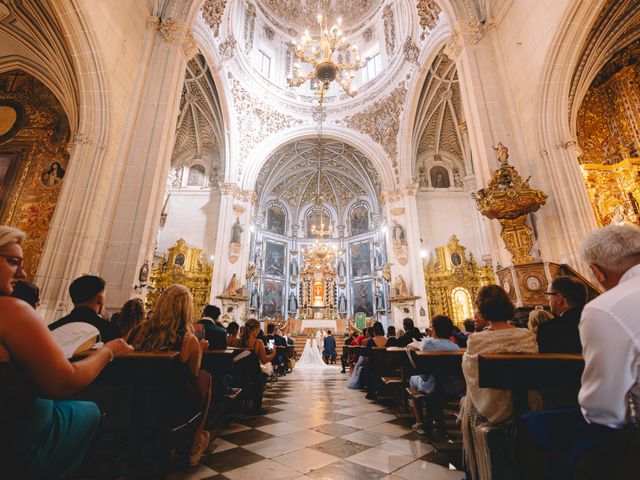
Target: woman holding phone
[(171, 327)]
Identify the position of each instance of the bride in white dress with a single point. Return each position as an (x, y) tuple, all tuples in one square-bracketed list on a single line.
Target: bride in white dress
[(311, 357)]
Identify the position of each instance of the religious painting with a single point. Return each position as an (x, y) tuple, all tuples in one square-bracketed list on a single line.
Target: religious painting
[(196, 176), (52, 174), (11, 118), (362, 295), (360, 259), (440, 177), (8, 164), (276, 219), (359, 220), (272, 298), (274, 259)]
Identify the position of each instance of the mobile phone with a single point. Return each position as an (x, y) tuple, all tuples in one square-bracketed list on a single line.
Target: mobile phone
[(199, 331), (272, 344)]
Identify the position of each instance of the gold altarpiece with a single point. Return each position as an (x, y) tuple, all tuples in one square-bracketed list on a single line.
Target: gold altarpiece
[(452, 281), (186, 266), (608, 130), (318, 291)]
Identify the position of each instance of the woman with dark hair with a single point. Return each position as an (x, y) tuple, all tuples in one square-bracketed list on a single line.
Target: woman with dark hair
[(131, 315), (256, 347), (483, 408)]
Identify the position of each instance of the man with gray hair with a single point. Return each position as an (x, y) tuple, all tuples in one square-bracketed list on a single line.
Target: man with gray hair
[(610, 328), (602, 438)]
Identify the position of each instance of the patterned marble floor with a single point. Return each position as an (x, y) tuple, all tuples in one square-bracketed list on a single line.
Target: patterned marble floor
[(318, 429)]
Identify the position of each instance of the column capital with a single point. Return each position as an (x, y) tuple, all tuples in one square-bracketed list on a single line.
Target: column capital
[(172, 30), (465, 32)]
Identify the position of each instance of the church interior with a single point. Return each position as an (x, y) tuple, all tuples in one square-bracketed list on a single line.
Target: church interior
[(325, 167)]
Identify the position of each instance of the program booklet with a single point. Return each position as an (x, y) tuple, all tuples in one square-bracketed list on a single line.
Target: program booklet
[(76, 338)]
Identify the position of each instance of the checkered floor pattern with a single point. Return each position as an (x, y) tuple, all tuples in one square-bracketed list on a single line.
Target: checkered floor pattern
[(318, 429)]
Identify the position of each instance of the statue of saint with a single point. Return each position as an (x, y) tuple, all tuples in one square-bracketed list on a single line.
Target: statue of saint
[(423, 181), (293, 267), (342, 303), (401, 286), (379, 300), (257, 257), (251, 270), (254, 301), (386, 273), (502, 153), (342, 269), (293, 303), (232, 288), (236, 231)]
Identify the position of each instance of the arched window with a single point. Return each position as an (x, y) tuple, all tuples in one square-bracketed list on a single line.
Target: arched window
[(440, 177), (196, 176), (461, 305)]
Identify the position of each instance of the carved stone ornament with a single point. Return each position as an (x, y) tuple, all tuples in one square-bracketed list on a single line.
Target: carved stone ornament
[(466, 32), (249, 26), (410, 50), (428, 12), (255, 120), (389, 30), (381, 122), (212, 11), (170, 29), (234, 252), (367, 34), (269, 32), (227, 47), (189, 46)]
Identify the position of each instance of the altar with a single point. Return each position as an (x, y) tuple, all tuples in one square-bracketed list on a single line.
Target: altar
[(321, 324)]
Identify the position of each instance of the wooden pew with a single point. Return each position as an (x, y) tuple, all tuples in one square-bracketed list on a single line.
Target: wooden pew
[(149, 412), (520, 372), (386, 368)]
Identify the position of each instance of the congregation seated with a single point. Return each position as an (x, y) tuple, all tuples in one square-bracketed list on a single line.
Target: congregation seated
[(41, 434), (349, 339), (442, 328), (88, 297), (392, 341), (170, 328), (329, 352), (411, 333), (602, 438), (537, 317), (28, 292), (479, 323), (130, 316), (233, 340), (484, 408), (378, 339), (214, 332), (257, 349), (567, 297)]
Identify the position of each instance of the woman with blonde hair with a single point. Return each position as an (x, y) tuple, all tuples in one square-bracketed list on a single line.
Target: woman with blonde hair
[(41, 436), (537, 317), (170, 328)]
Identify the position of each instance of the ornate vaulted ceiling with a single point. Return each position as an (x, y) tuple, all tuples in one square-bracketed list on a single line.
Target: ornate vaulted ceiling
[(296, 172), (199, 127)]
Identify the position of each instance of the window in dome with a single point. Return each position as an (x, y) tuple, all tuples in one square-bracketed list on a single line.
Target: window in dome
[(264, 63), (373, 67)]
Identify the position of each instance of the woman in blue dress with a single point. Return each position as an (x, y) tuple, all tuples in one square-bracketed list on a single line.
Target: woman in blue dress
[(41, 435)]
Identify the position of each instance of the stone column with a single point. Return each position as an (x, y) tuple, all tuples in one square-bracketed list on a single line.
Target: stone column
[(234, 204), (137, 214), (400, 206)]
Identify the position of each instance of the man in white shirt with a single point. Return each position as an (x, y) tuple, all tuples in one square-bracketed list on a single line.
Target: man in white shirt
[(602, 439)]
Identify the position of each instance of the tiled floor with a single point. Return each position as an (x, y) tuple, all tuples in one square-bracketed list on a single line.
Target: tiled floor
[(318, 429)]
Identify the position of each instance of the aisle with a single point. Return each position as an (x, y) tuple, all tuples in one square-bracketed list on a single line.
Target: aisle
[(318, 429)]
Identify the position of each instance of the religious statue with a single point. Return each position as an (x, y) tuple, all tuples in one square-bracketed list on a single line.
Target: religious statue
[(254, 301), (342, 303), (502, 153), (342, 269), (251, 270), (439, 183), (293, 267), (399, 238), (400, 286), (257, 258), (423, 181), (232, 288), (386, 273), (293, 303), (456, 178), (236, 232), (379, 300)]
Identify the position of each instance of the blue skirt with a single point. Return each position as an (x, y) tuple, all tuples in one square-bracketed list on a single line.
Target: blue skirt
[(53, 441)]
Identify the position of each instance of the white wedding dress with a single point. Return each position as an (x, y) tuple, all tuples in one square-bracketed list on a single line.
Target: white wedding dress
[(311, 357)]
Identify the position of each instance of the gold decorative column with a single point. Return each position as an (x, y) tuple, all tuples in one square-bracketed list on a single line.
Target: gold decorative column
[(509, 199)]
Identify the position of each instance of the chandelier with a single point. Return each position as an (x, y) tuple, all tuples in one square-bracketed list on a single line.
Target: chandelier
[(320, 55)]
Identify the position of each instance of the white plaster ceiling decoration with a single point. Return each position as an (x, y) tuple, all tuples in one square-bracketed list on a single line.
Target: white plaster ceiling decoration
[(199, 128), (440, 116), (212, 11), (300, 15), (291, 174)]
